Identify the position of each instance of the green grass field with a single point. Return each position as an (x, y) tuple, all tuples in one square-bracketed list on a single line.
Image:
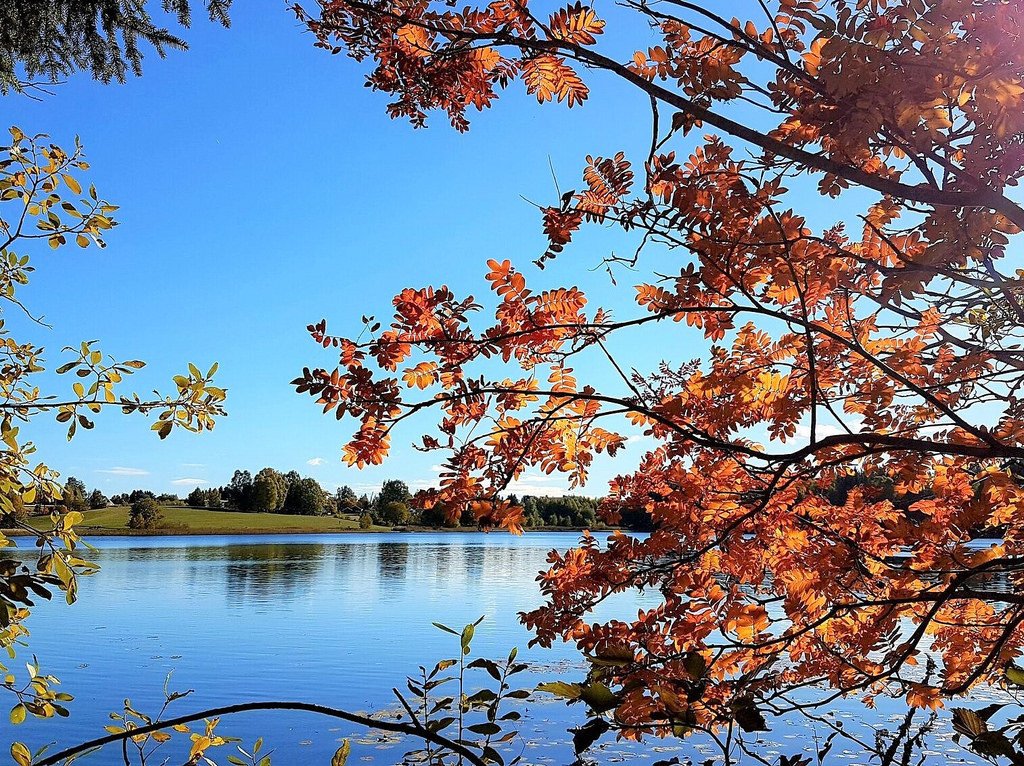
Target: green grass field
[(205, 522)]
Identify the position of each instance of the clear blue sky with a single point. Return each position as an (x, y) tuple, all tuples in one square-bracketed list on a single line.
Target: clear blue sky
[(262, 187)]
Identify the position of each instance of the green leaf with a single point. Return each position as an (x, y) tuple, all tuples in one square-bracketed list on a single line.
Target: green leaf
[(439, 724), (489, 665), (599, 697), (1015, 675), (18, 713), (746, 714), (485, 728), (587, 734), (695, 664), (467, 637), (492, 755), (481, 696)]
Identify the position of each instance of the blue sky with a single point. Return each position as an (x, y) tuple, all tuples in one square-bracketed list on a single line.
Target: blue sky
[(262, 187)]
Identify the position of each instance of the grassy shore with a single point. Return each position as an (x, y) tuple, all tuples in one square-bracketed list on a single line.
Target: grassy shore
[(200, 521)]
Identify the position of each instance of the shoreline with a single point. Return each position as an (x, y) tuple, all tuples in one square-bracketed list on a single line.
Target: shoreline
[(87, 531)]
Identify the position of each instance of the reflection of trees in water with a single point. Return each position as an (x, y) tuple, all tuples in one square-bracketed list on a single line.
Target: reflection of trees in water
[(392, 560), (442, 561), (264, 572), (262, 575), (475, 558), (449, 562)]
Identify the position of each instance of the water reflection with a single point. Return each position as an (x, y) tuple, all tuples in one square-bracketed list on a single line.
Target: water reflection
[(392, 560), (258, 573), (339, 620)]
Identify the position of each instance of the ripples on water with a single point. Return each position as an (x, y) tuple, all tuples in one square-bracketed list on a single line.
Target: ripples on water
[(337, 620)]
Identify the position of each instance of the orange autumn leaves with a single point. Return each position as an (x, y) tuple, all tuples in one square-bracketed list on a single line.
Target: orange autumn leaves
[(531, 328), (411, 42), (839, 419)]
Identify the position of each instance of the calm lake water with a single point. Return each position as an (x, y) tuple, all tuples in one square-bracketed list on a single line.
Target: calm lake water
[(333, 619)]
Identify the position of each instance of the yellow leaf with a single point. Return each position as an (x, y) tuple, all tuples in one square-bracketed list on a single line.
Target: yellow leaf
[(199, 745), (21, 754), (561, 689), (341, 754)]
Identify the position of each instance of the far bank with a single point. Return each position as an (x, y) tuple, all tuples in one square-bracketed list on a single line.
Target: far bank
[(176, 520)]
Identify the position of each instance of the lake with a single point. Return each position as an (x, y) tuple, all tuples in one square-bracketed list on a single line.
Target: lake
[(332, 619)]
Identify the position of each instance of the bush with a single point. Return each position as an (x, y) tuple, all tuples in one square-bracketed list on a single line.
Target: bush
[(395, 513), (365, 521), (144, 514)]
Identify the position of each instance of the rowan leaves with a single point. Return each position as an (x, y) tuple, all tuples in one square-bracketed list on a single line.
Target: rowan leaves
[(837, 418), (576, 23), (549, 77)]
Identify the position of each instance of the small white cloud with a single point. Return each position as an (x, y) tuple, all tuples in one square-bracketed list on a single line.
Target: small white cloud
[(538, 490), (192, 465), (316, 461), (120, 470), (538, 478), (189, 481), (823, 429), (366, 489)]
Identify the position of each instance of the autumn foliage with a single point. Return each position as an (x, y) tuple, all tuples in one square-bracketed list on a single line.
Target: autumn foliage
[(854, 422)]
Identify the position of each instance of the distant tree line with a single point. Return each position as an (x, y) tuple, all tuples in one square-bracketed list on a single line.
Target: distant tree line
[(271, 491)]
